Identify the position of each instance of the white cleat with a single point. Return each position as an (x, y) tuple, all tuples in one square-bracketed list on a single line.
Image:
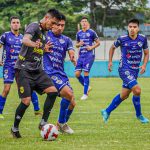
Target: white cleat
[(84, 97), (64, 128)]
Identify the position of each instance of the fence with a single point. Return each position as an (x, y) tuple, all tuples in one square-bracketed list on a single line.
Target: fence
[(99, 68)]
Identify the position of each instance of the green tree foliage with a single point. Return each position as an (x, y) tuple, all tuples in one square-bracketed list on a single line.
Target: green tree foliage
[(104, 13)]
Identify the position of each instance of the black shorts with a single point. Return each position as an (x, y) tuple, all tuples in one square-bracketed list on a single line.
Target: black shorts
[(28, 82)]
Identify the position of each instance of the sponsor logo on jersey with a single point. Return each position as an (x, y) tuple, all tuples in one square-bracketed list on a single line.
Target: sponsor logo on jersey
[(59, 81), (38, 50), (12, 50), (21, 89)]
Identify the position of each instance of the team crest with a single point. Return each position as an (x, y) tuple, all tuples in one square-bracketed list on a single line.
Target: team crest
[(6, 71), (21, 89), (61, 41), (140, 44)]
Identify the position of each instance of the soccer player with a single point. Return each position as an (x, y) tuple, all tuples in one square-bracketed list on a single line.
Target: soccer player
[(132, 45), (54, 67), (87, 41), (29, 71), (12, 42)]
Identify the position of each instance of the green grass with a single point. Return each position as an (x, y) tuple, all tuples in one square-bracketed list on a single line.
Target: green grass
[(123, 131)]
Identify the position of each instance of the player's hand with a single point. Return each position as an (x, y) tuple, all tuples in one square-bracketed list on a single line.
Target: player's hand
[(38, 43), (89, 48), (143, 68), (110, 66), (81, 43), (48, 47), (1, 63), (73, 60)]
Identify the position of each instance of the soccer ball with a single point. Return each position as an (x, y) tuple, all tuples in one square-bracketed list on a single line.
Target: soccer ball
[(49, 132)]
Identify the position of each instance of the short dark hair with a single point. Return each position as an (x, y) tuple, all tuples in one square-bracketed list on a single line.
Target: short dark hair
[(63, 17), (134, 20), (54, 13), (84, 17), (14, 17)]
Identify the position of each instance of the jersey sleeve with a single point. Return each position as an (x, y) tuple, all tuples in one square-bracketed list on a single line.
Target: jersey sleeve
[(145, 45), (3, 39), (117, 43), (32, 29), (95, 36), (77, 37), (70, 45)]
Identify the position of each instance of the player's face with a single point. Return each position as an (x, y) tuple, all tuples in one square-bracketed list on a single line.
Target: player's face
[(133, 29), (59, 28), (50, 22), (84, 23), (15, 24)]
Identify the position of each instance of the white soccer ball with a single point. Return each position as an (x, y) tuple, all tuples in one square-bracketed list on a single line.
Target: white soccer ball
[(49, 132)]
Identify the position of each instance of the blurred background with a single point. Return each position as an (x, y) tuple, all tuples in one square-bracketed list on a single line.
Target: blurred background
[(107, 17)]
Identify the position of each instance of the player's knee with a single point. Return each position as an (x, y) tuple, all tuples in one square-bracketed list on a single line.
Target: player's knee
[(125, 97), (77, 74), (69, 95), (26, 101), (137, 91)]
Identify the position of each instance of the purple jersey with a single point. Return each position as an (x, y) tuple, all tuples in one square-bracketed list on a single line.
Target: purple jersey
[(88, 37), (11, 45), (54, 61), (131, 51)]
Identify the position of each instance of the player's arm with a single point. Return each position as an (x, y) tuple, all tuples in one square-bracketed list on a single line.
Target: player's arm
[(111, 53), (72, 57), (28, 42), (145, 60), (97, 43), (1, 63), (79, 44)]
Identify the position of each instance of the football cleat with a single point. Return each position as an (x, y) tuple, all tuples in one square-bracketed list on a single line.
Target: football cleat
[(105, 115), (15, 134), (142, 119), (84, 97), (38, 113), (64, 128), (41, 124)]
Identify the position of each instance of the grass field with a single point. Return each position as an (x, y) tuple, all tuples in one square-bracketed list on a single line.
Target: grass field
[(122, 132)]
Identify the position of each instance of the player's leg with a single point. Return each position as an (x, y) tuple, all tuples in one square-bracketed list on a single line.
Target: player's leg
[(67, 105), (3, 97), (8, 76), (87, 65), (86, 85), (24, 91), (78, 71), (35, 102), (45, 85), (115, 103), (79, 77), (25, 102), (137, 105)]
